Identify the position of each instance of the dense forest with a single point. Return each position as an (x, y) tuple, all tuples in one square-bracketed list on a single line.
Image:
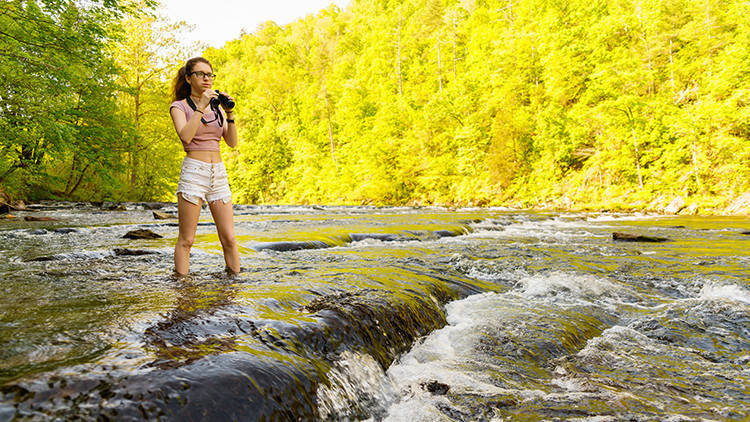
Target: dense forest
[(577, 104)]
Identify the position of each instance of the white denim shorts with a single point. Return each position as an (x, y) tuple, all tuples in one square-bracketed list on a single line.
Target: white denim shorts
[(203, 181)]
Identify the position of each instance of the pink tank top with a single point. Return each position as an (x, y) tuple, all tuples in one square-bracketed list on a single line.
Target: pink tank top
[(208, 135)]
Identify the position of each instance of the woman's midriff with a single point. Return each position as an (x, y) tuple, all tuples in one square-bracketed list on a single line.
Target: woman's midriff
[(205, 156)]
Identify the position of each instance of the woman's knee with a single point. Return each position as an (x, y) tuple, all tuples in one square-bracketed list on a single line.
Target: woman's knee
[(185, 242), (227, 240)]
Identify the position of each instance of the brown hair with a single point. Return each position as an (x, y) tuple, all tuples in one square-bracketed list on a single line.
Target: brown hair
[(181, 89)]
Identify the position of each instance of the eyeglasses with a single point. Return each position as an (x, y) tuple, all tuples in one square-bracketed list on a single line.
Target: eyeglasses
[(203, 75)]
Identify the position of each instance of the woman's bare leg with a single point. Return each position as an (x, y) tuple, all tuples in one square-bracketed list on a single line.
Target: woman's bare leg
[(188, 215), (224, 219)]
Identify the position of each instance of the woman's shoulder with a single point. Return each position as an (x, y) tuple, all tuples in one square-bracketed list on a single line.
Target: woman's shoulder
[(181, 104)]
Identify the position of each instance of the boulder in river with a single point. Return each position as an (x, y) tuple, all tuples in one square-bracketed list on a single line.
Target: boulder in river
[(163, 215), (141, 234), (627, 237), (436, 387), (32, 218)]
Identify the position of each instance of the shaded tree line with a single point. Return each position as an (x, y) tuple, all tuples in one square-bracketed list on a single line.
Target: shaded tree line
[(82, 110)]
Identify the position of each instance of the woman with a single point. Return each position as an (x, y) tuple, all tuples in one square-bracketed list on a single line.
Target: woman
[(203, 176)]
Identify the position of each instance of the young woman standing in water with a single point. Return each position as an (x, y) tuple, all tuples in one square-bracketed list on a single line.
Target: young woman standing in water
[(201, 126)]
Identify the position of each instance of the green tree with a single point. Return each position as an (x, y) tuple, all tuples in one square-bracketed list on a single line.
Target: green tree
[(148, 54), (52, 56)]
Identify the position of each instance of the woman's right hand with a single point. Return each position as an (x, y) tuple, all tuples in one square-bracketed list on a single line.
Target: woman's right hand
[(206, 99)]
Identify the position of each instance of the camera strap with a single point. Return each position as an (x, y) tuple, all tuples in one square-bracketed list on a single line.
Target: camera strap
[(217, 114)]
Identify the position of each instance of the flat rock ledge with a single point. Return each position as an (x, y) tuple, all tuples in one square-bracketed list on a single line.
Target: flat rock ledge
[(627, 237)]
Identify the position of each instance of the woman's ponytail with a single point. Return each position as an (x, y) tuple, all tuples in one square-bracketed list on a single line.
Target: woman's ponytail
[(181, 88)]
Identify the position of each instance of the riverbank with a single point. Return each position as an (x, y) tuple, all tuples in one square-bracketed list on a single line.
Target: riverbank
[(663, 205), (628, 203)]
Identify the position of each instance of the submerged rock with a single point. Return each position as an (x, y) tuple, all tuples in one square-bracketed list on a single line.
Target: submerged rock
[(287, 246), (132, 252), (141, 234), (66, 230), (627, 237)]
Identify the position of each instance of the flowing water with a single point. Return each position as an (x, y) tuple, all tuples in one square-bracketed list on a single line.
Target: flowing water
[(378, 314)]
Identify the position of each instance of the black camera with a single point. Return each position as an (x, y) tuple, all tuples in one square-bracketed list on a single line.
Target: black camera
[(223, 100)]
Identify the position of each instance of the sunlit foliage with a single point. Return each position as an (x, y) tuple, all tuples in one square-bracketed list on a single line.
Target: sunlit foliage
[(582, 103)]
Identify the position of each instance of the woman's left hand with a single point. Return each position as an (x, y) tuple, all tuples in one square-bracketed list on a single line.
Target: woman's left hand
[(228, 110)]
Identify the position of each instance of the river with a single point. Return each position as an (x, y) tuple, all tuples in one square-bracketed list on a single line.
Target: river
[(375, 314)]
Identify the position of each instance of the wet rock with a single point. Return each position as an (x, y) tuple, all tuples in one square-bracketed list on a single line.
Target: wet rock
[(288, 246), (37, 232), (356, 237), (4, 208), (447, 233), (42, 259), (745, 232), (627, 237), (200, 224), (436, 387), (141, 234), (163, 215), (114, 206), (66, 230), (32, 218), (132, 252), (675, 206), (151, 205)]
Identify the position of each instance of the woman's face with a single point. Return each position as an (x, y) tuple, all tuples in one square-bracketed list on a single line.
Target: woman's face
[(200, 78)]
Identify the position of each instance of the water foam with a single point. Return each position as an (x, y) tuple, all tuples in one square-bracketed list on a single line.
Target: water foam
[(358, 386), (567, 286), (725, 291)]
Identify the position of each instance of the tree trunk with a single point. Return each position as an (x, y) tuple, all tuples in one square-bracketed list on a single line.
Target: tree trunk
[(454, 48), (330, 125), (694, 148), (400, 82), (440, 68), (637, 159)]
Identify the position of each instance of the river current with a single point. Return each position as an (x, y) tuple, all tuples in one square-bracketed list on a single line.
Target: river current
[(375, 314)]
